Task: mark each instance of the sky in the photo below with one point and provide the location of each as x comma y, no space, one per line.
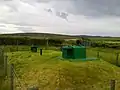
74,17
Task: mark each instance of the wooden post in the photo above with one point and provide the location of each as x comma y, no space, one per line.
47,43
40,51
5,65
117,57
112,85
1,83
17,45
11,77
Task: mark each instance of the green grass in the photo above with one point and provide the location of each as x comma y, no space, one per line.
14,48
106,54
48,72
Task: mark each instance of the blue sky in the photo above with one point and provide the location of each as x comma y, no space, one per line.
90,17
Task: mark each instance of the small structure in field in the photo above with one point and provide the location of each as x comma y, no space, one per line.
74,52
34,48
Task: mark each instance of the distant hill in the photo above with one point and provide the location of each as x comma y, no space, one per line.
50,35
41,35
90,36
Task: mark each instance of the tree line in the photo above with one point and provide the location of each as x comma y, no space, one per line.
106,45
51,42
29,41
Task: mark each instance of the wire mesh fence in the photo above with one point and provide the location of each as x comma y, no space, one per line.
3,69
109,56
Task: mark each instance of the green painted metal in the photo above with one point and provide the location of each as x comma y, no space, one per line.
74,52
34,49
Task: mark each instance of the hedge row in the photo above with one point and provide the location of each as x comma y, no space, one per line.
52,42
28,41
106,45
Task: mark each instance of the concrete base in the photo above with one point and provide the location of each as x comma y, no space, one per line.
83,59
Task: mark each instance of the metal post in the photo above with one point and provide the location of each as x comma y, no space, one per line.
11,77
112,85
98,54
117,56
40,51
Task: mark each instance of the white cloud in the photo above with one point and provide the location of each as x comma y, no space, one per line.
9,28
19,16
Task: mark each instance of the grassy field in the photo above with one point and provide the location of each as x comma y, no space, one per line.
49,72
107,54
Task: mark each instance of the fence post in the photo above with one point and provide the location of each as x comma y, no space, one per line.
40,51
98,54
17,45
5,65
11,77
117,57
112,85
47,43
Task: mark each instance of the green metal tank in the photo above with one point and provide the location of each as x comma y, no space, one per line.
74,52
